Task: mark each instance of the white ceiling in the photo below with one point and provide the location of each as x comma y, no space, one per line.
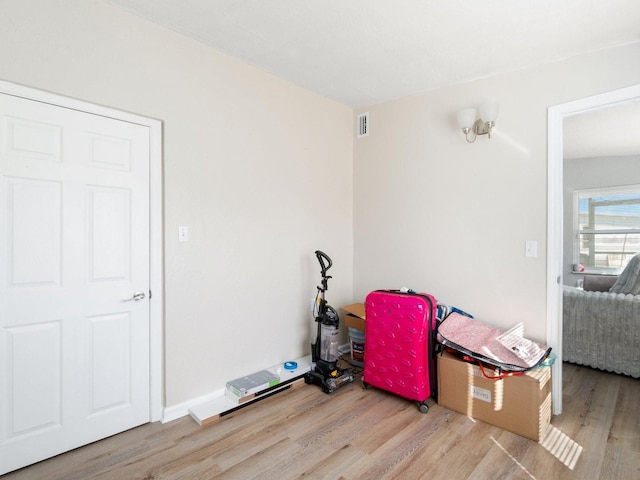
363,52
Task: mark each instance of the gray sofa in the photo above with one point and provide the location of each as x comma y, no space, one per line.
601,329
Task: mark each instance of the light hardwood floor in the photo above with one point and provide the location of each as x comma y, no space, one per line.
370,434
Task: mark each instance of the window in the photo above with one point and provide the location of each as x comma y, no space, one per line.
607,227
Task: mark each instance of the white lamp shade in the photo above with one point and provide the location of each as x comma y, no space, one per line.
489,111
466,117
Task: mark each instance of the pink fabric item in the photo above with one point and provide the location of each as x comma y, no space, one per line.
490,342
397,331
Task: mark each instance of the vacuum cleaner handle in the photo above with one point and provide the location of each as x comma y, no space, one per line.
321,258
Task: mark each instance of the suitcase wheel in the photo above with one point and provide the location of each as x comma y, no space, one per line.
365,385
424,408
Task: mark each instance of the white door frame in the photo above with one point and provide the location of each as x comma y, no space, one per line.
556,115
156,280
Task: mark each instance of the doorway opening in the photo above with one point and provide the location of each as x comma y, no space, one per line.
556,115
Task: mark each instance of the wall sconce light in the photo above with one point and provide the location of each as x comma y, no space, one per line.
487,113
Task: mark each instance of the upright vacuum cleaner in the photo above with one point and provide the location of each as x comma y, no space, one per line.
324,347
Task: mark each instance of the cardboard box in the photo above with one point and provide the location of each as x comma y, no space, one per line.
355,316
520,404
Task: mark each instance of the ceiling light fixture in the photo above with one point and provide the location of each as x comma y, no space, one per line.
487,113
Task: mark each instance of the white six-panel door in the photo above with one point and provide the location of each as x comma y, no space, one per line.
74,250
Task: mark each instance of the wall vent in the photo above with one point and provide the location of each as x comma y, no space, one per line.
363,125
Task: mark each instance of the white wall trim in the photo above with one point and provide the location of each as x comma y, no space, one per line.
156,280
554,252
556,115
182,409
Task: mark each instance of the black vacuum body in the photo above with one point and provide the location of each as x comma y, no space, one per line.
324,347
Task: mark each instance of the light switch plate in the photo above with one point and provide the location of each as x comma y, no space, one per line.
531,248
183,234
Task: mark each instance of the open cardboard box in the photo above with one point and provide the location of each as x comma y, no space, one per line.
355,316
520,404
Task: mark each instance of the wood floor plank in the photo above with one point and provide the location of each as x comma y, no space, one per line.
506,458
595,408
625,428
394,454
326,462
366,434
441,459
622,455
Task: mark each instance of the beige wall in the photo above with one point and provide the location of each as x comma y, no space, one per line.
434,213
260,170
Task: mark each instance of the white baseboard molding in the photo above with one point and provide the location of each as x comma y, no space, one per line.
182,409
214,403
215,407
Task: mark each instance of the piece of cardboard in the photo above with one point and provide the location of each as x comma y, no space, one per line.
355,317
520,404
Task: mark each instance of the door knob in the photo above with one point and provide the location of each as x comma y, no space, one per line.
136,297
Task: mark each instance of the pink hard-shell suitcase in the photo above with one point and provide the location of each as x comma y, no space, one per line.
399,347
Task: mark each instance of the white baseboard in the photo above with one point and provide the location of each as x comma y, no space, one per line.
216,402
212,409
182,409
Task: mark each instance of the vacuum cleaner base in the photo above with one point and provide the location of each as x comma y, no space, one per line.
331,382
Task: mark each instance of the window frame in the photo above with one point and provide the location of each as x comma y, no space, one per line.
582,193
